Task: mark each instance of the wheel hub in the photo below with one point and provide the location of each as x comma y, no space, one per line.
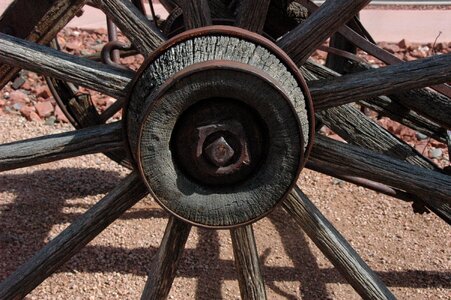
219,141
219,125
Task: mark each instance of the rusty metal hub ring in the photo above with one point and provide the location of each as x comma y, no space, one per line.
221,169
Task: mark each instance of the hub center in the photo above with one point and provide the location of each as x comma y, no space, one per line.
218,123
219,141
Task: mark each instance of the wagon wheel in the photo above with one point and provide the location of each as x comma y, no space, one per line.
219,123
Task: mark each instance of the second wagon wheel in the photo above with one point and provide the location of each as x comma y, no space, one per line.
218,124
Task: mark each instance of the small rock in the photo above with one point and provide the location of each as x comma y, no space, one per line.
87,52
44,109
409,57
18,97
27,85
99,101
73,45
18,82
435,153
60,116
404,44
43,92
26,111
17,106
418,53
339,182
6,95
50,121
424,49
34,117
420,136
440,47
392,48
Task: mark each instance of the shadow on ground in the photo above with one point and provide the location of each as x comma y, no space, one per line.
41,196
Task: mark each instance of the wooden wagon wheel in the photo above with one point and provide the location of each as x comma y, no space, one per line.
219,123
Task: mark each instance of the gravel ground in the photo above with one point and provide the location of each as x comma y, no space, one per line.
412,253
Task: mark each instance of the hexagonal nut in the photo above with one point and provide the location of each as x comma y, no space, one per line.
219,152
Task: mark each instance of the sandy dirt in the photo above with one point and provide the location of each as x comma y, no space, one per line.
410,252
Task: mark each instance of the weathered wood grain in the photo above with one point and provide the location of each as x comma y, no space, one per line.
358,129
428,103
196,13
60,146
252,14
171,178
425,102
40,59
385,105
44,19
369,184
250,279
335,247
418,204
82,112
391,79
143,34
303,40
73,239
165,262
432,187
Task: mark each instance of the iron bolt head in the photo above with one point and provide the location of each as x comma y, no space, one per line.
219,152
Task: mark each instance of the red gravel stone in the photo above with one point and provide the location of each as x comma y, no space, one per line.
43,92
34,117
27,85
26,111
404,44
18,97
44,109
60,116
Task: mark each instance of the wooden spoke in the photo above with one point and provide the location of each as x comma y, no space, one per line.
392,106
196,13
73,239
358,129
165,262
385,106
44,19
252,14
143,34
59,146
40,59
308,36
335,247
381,54
391,79
246,263
428,103
432,187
